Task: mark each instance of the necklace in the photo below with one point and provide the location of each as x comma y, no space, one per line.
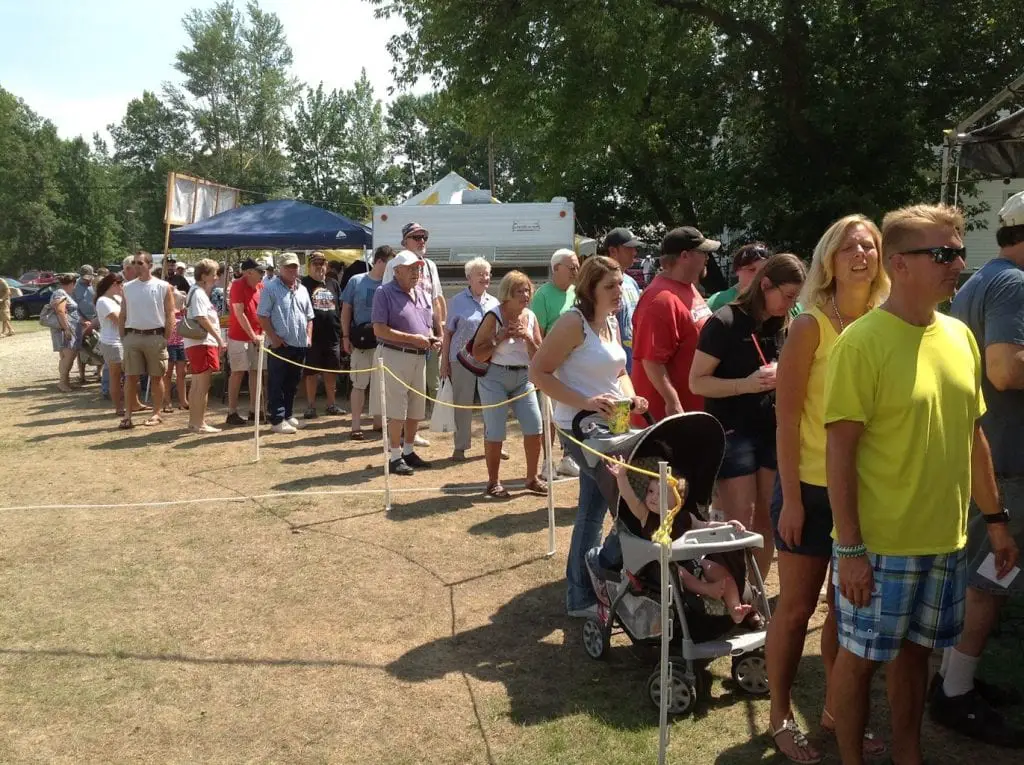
842,324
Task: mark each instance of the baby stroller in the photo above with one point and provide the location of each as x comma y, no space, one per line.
693,445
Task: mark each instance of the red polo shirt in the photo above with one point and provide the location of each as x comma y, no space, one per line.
666,327
249,297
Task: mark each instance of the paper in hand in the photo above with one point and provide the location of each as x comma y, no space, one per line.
987,569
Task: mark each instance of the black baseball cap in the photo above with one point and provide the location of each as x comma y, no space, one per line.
620,237
685,239
250,264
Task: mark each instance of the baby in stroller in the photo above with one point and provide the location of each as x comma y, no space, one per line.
707,577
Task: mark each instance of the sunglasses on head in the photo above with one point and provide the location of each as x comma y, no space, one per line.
754,255
941,255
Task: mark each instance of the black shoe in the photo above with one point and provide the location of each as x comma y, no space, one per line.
413,460
970,715
234,419
251,417
400,467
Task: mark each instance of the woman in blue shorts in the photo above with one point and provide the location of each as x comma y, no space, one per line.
844,282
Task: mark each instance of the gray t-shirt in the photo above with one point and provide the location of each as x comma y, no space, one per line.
991,303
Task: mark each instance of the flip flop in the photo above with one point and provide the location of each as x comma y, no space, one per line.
537,486
156,419
497,491
799,741
873,745
125,424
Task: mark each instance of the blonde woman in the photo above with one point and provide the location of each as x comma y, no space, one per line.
508,336
203,355
845,281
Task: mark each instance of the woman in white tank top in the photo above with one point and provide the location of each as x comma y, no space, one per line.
509,336
581,365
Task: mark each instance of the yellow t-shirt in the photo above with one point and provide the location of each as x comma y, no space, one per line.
918,392
812,418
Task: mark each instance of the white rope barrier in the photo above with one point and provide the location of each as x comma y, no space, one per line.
385,436
255,406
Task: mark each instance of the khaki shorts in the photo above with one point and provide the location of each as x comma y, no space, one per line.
401,402
243,355
361,359
145,354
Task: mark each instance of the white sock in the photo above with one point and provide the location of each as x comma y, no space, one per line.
407,449
959,677
396,452
945,661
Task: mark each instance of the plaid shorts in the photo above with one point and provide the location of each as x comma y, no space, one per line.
918,598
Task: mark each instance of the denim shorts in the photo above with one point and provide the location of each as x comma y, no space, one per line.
500,384
919,598
816,539
746,453
175,353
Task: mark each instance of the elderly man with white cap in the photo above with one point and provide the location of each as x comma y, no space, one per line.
407,327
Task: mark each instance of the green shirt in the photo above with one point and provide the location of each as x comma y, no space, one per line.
723,298
549,303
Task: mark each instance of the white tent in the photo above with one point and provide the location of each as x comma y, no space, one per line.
447,191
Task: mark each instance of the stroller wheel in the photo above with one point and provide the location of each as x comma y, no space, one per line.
684,694
750,673
595,642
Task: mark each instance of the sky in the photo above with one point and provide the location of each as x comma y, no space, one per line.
79,62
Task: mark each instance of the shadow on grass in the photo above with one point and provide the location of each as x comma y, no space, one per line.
510,524
354,476
338,456
243,661
146,437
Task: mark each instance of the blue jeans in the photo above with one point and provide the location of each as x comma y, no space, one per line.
586,534
105,381
282,382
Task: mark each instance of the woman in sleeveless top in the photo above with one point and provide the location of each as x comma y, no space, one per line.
67,340
845,281
581,365
509,336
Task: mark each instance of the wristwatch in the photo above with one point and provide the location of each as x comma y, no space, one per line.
1003,516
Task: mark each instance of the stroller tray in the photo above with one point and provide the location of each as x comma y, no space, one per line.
638,552
731,646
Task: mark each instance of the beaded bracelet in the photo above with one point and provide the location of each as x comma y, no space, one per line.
850,551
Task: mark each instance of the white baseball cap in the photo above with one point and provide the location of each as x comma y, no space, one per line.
1012,213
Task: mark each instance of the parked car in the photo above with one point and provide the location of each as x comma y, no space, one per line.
29,306
38,278
17,288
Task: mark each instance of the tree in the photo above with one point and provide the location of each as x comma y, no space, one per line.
317,146
367,156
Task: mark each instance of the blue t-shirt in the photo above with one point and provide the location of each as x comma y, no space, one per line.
991,303
630,297
358,293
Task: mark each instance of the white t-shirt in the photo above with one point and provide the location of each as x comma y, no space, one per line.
109,334
145,300
198,303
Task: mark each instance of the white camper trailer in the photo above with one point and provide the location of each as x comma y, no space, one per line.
509,235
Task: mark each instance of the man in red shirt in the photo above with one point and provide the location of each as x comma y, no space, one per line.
244,337
666,325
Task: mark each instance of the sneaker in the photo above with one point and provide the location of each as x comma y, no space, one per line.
505,455
334,411
309,414
412,459
599,585
971,716
234,419
590,612
400,467
420,441
283,427
543,474
569,467
295,423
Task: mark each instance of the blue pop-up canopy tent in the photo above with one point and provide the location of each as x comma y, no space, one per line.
281,224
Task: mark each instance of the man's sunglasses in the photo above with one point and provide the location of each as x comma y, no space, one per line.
419,237
941,255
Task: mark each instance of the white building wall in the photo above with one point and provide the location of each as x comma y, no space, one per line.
981,243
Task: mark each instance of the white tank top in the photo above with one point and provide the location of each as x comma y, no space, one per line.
513,352
145,301
591,369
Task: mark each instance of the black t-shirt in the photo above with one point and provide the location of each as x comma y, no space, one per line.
356,267
729,336
179,282
325,297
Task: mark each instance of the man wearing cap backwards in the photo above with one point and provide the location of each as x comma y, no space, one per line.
172,277
325,351
991,303
244,337
620,245
905,454
667,323
286,315
406,327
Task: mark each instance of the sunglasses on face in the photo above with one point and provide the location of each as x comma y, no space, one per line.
138,262
941,255
418,237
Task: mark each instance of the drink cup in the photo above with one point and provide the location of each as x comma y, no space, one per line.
619,421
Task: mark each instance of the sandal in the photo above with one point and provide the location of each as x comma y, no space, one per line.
537,486
497,491
125,424
156,419
873,745
799,741
357,435
168,409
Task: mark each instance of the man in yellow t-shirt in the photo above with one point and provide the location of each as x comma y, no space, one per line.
904,456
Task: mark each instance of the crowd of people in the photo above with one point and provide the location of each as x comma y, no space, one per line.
873,441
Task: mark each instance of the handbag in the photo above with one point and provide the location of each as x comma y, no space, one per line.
363,338
190,328
48,317
471,363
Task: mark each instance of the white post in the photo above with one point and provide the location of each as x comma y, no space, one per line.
549,464
384,429
255,405
666,599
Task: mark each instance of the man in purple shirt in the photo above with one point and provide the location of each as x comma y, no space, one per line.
406,328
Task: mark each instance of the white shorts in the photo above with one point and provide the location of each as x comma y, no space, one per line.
243,355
